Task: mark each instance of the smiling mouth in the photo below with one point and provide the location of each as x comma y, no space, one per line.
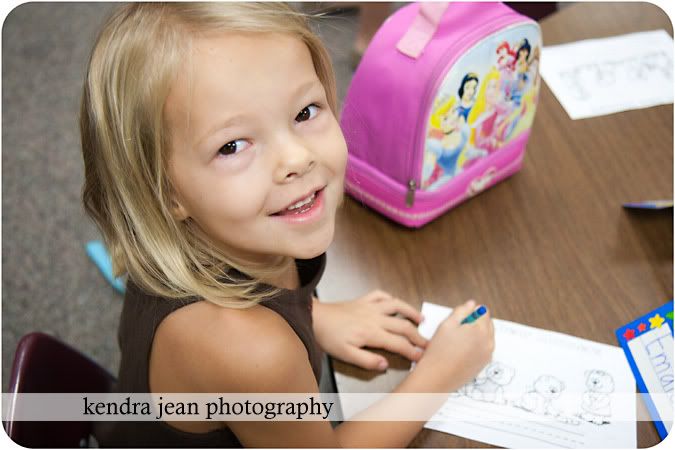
301,206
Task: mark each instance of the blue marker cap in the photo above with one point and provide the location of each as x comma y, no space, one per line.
475,315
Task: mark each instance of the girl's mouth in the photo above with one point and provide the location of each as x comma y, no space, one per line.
304,209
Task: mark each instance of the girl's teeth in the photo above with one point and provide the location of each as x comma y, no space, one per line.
302,202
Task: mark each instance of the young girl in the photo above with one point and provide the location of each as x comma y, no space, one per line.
214,167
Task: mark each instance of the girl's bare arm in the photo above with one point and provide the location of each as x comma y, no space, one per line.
258,352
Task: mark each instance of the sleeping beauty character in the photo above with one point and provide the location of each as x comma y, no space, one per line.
488,116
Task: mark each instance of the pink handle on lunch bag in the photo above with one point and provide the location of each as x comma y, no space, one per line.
422,29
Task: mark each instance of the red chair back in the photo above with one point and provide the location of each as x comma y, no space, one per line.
43,364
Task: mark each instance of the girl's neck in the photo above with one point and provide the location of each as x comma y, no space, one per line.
289,279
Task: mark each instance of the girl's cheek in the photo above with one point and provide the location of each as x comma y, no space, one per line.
240,202
334,141
343,154
236,185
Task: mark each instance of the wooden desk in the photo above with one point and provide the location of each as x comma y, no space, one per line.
551,247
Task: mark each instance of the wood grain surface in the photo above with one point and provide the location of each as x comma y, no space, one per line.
550,247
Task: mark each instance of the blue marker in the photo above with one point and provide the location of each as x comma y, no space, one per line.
475,315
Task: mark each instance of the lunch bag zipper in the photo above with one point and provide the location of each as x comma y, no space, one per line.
354,187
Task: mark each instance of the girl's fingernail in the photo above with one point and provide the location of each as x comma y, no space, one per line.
382,365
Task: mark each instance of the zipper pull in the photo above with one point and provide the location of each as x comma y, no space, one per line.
410,196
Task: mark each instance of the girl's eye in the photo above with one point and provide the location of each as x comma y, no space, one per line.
231,148
306,113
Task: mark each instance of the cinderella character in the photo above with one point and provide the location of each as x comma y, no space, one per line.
448,147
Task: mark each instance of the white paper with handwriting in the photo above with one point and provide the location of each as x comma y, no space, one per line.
603,76
542,389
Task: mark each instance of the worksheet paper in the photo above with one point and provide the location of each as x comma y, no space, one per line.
603,76
542,389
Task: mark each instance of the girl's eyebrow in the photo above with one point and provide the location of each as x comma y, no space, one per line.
240,118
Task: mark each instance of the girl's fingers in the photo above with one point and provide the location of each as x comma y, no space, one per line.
398,306
460,312
377,296
397,344
488,320
405,328
365,359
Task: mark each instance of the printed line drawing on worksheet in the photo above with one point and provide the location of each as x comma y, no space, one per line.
583,80
541,389
540,398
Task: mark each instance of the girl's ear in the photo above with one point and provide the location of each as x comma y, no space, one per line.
178,211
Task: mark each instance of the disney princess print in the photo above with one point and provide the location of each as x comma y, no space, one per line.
486,99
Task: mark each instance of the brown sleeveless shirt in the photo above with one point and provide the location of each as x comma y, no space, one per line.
141,315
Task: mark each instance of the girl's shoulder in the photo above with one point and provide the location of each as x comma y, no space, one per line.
203,347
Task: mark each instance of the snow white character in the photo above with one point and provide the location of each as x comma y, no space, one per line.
467,94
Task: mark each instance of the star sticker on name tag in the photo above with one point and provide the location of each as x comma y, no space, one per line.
642,327
629,334
656,321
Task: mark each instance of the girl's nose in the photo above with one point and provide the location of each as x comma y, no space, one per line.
295,160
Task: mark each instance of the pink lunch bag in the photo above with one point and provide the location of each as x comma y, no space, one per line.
440,107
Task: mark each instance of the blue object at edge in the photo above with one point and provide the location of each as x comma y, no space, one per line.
642,387
99,255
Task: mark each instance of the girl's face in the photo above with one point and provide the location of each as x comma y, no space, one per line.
257,157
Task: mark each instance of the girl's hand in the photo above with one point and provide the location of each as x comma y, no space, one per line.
456,353
343,328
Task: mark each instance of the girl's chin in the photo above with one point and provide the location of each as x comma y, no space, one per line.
313,246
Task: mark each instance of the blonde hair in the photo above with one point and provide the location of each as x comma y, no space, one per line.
481,99
125,148
437,116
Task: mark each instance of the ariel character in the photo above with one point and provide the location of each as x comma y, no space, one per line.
506,57
506,64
